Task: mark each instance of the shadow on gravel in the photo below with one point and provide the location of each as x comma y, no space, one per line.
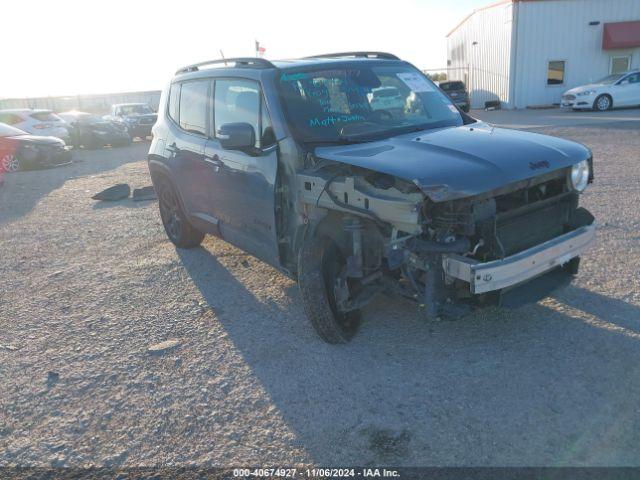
127,203
617,313
23,190
533,386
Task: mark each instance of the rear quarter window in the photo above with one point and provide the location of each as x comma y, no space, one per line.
174,103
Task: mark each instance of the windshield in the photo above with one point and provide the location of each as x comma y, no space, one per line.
135,109
8,131
362,102
610,79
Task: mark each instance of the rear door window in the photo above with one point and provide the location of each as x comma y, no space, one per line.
193,106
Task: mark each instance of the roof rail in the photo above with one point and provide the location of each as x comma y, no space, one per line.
384,55
252,62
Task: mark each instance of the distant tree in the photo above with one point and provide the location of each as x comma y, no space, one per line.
437,76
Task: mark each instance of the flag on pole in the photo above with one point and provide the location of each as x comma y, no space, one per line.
259,49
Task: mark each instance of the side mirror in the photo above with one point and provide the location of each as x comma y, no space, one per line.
236,136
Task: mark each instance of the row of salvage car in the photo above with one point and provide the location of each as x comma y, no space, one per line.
35,138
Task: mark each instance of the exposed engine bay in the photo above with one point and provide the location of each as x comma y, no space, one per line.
395,238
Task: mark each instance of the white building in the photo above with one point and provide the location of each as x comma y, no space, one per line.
527,52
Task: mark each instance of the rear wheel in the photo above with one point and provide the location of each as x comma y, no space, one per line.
10,163
602,103
175,222
320,268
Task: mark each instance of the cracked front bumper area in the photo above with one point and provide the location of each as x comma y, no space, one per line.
521,267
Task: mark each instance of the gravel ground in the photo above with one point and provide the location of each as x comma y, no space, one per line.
88,288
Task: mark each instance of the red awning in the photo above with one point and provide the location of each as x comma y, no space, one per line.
621,35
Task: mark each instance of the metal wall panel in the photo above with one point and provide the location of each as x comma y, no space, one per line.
479,51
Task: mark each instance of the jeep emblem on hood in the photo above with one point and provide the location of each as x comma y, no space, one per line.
537,165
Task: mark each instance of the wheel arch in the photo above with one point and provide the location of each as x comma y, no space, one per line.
162,173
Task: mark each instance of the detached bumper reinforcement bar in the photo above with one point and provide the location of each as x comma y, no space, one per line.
523,266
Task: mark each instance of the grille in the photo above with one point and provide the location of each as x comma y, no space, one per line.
512,235
568,97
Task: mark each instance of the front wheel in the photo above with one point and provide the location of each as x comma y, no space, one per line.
10,163
602,103
320,268
175,222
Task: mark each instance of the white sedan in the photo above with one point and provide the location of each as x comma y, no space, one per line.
618,90
38,122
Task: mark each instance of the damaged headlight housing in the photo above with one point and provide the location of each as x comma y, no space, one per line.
578,177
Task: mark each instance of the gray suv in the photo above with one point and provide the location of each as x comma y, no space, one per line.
289,161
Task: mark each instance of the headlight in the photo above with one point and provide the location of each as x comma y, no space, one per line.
585,93
578,177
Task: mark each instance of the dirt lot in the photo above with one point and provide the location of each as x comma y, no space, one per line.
88,287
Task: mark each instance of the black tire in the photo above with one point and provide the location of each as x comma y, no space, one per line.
174,220
319,264
603,103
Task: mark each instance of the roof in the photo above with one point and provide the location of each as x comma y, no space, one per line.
306,62
621,35
261,63
491,5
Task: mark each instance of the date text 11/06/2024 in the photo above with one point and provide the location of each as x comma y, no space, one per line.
316,472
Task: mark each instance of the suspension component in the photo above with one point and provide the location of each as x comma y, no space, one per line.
353,225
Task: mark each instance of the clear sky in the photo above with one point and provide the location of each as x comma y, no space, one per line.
68,47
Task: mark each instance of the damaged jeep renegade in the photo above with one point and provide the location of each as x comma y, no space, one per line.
305,165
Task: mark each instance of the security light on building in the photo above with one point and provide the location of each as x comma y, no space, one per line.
528,52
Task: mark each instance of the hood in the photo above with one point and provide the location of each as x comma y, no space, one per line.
457,162
583,88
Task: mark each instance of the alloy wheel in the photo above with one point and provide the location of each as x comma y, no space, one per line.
10,163
603,103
